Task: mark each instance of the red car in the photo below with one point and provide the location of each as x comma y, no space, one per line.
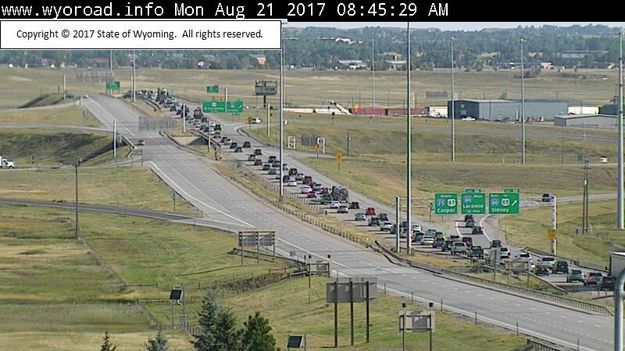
311,195
370,211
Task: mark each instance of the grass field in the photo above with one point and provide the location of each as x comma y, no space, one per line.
33,147
118,186
64,116
317,87
530,227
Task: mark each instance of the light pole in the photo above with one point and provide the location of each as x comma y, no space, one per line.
522,105
453,100
281,139
76,163
408,147
373,71
620,204
134,76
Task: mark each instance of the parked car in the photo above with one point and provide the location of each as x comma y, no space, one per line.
342,209
374,221
459,247
593,278
359,217
246,144
505,253
548,262
438,243
576,275
468,240
386,226
370,211
427,240
561,267
541,271
477,230
607,283
469,223
547,197
258,152
354,205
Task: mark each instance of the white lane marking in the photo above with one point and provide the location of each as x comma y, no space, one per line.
484,229
194,198
113,117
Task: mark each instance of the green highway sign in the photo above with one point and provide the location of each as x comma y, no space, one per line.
511,190
473,201
113,85
445,203
212,88
234,106
504,203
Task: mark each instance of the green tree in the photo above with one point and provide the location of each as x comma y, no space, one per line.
257,334
206,340
228,337
107,345
159,343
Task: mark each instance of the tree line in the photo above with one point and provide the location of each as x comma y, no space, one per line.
316,47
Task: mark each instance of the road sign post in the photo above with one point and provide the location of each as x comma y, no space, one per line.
473,201
339,158
445,204
212,89
504,203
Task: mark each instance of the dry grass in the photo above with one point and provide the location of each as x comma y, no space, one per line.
64,116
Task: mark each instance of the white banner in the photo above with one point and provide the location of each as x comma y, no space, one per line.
149,34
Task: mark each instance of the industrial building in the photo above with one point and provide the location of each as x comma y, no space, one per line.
508,110
586,121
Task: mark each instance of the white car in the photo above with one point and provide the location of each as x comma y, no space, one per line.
505,253
335,204
427,240
548,262
305,189
386,226
256,121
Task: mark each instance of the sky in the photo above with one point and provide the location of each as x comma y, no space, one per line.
467,26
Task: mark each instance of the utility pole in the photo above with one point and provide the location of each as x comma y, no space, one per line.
64,86
268,119
134,76
522,105
184,118
554,224
397,223
373,70
453,100
115,139
621,188
76,230
408,148
585,224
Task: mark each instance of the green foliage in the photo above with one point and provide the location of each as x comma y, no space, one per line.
228,336
207,338
257,335
159,343
107,345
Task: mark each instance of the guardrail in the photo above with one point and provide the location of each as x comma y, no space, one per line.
535,294
153,104
587,265
511,289
542,345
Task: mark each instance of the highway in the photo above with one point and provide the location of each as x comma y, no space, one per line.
193,177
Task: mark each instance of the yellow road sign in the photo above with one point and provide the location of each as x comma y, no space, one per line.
317,146
551,234
339,156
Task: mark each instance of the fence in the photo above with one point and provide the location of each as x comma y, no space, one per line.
542,345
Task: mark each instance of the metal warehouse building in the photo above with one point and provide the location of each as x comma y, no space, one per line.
508,110
586,121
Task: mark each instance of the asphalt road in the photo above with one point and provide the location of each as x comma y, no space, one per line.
193,178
